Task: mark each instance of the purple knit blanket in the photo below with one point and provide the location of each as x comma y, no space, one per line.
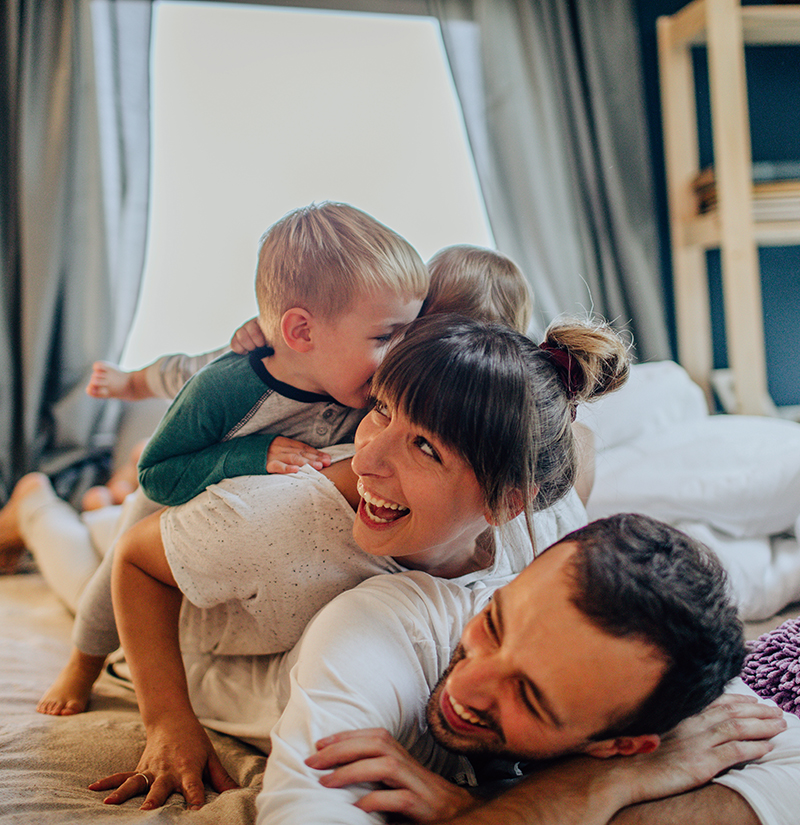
772,666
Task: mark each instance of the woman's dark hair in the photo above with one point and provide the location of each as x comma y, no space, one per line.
500,401
638,577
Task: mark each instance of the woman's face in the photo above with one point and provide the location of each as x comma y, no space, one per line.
420,501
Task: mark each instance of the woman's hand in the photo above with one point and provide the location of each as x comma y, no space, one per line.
372,755
177,757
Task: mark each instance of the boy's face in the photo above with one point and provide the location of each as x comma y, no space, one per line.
348,350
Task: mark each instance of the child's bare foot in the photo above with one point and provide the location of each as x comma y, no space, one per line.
109,381
12,544
95,498
121,484
70,692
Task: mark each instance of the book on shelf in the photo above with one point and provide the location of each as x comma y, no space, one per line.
776,191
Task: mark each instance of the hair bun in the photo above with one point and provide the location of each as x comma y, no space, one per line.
591,357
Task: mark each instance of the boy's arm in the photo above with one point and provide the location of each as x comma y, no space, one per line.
194,445
147,605
187,452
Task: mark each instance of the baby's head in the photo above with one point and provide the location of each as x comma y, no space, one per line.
478,283
335,282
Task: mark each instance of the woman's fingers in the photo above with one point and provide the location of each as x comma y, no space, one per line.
219,779
127,785
113,781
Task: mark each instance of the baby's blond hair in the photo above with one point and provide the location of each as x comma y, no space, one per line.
478,283
324,256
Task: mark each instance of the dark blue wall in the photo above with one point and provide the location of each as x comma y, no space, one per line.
773,80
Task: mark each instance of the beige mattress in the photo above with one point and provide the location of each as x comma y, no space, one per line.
47,762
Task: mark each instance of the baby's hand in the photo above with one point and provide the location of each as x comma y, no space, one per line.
248,337
288,456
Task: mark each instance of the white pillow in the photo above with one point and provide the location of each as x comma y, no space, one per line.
738,474
656,396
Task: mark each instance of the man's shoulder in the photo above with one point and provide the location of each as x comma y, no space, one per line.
425,607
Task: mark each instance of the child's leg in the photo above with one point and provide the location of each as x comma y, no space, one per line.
109,381
59,540
121,484
12,544
95,631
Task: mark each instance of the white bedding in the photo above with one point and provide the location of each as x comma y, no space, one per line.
731,481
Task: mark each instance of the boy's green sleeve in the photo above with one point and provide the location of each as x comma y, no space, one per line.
188,452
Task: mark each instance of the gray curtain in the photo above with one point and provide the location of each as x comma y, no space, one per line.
75,178
553,103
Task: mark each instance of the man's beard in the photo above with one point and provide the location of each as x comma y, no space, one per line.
455,742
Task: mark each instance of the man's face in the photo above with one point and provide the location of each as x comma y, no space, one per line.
533,677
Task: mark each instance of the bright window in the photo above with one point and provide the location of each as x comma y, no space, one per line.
259,110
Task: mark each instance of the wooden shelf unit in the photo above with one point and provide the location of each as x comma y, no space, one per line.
724,27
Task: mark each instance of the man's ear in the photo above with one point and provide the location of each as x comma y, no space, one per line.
296,328
623,746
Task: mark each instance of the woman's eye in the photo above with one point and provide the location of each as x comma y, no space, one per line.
380,408
383,339
426,448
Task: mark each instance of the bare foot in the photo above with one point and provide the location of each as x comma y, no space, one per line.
11,542
95,498
70,692
109,381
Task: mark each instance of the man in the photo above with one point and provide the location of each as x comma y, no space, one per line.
602,645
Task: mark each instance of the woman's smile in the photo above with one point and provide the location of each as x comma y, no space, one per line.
379,510
420,501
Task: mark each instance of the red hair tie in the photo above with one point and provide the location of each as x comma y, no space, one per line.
568,369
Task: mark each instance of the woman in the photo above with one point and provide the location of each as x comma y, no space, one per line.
471,428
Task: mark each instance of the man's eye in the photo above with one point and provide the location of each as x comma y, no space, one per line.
490,625
383,339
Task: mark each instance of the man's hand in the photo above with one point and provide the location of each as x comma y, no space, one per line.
730,731
248,337
372,755
287,456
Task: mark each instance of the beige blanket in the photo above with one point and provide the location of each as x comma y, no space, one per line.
47,762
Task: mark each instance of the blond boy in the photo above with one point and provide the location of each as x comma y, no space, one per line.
333,286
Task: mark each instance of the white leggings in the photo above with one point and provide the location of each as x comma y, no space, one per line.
67,545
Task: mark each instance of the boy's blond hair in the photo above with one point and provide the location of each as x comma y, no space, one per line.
325,256
480,283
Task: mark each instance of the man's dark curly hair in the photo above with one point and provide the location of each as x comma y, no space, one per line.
638,577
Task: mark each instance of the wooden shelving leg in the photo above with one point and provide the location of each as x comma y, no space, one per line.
692,311
744,325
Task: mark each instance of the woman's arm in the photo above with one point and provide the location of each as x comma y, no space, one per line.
584,446
147,606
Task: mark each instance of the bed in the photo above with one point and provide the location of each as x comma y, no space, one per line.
47,762
735,481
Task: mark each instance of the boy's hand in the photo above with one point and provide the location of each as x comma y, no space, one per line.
248,337
288,456
409,789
